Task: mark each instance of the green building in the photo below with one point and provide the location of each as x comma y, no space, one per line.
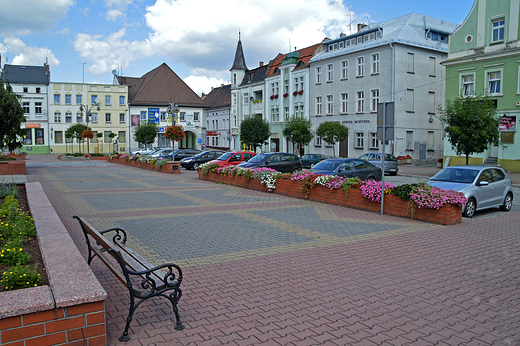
484,59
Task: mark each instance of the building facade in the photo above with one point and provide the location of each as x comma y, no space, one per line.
218,121
484,59
394,61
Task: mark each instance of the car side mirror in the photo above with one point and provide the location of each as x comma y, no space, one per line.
483,183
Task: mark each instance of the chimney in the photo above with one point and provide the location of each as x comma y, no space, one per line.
261,63
221,85
342,35
361,26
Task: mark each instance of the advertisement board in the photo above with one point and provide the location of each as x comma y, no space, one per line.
507,123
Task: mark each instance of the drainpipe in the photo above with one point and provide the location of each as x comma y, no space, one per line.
393,92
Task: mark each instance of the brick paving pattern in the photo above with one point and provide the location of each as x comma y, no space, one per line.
266,269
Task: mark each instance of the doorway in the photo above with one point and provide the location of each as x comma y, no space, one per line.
343,148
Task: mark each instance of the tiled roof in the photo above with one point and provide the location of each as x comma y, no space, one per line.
255,76
303,60
240,61
219,97
160,87
25,74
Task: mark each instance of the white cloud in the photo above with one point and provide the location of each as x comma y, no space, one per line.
203,84
31,16
26,55
202,34
116,9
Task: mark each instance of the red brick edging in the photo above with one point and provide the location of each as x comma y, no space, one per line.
447,215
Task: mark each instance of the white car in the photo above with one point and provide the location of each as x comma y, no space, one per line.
144,151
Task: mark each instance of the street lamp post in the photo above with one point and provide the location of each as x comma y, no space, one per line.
430,120
173,109
88,112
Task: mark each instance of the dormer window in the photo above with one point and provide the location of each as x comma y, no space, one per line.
434,36
498,30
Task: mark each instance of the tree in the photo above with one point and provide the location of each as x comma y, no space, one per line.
254,131
76,131
145,133
99,140
471,124
11,117
111,135
332,133
299,131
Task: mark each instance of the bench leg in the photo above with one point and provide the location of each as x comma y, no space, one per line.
174,298
125,336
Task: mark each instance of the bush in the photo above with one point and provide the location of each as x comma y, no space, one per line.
12,253
20,277
8,189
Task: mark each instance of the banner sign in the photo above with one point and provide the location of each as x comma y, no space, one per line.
135,119
153,116
507,123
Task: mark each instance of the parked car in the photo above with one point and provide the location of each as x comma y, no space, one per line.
309,160
282,162
161,154
195,161
232,158
348,168
391,164
484,187
145,151
183,153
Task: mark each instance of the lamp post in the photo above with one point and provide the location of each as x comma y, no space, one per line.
430,120
173,109
88,112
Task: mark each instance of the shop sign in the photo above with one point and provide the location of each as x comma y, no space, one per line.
507,123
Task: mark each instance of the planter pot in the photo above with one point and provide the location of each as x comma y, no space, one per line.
408,160
402,162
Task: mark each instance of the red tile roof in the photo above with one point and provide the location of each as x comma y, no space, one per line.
305,55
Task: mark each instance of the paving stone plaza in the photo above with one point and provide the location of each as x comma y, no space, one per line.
261,268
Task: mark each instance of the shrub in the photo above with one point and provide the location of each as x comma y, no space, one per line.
20,277
12,253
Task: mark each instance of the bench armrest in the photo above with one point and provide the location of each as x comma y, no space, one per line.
170,279
117,238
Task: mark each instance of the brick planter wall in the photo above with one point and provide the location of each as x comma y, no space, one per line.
12,167
173,167
70,310
447,215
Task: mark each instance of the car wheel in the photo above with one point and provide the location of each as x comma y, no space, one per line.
508,202
195,166
470,208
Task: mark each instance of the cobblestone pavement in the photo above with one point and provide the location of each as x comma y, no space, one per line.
266,269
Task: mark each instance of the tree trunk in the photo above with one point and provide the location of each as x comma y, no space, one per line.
467,159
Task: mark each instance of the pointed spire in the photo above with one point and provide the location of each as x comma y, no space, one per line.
240,62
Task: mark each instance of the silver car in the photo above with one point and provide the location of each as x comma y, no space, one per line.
484,187
391,164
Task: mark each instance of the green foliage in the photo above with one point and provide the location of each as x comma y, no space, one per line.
332,133
20,277
349,183
403,191
254,131
209,167
16,224
298,130
145,133
75,131
159,163
12,253
8,189
471,124
11,117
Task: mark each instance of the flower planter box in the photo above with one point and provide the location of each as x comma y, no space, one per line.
447,215
12,167
173,167
16,156
402,162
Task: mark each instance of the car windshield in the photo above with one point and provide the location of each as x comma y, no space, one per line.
457,175
390,157
258,158
225,156
327,165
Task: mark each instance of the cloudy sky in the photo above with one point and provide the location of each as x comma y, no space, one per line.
88,39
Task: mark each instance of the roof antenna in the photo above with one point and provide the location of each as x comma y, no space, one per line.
239,34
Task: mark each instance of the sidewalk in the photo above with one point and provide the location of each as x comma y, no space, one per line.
266,269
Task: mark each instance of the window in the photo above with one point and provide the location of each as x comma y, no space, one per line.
163,116
121,100
234,99
373,140
121,137
374,100
121,117
498,26
330,104
108,100
57,117
79,99
301,110
39,136
246,98
38,90
375,63
296,109
344,69
94,117
359,140
432,66
317,142
296,84
409,140
431,102
38,108
344,103
430,145
58,137
330,72
301,83
108,117
318,75
319,104
25,89
68,99
410,100
79,117
494,79
143,115
286,87
26,107
106,137
468,86
410,63
234,78
93,99
196,116
182,116
57,99
360,102
360,66
68,117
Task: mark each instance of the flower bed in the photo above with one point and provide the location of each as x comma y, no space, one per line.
164,166
418,201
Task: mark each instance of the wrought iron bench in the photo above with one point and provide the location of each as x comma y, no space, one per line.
141,278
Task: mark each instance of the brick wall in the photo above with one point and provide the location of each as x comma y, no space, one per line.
12,167
393,205
75,325
173,167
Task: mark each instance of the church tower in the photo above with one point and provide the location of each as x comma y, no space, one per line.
238,70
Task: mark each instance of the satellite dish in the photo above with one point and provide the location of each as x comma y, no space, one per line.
114,72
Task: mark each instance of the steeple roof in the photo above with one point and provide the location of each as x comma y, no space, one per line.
240,61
